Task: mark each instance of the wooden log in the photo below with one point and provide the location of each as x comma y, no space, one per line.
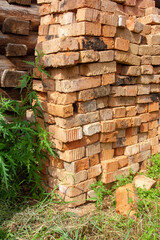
19,63
21,2
16,26
5,63
24,13
11,78
13,93
14,50
30,41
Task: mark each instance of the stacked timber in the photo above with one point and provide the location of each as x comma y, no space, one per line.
19,21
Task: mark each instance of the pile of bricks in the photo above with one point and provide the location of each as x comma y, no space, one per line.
19,21
101,103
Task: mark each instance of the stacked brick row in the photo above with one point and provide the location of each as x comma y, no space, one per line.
19,21
101,103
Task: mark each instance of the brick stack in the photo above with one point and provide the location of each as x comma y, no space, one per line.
101,104
18,35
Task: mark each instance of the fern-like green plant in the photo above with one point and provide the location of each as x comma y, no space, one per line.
23,144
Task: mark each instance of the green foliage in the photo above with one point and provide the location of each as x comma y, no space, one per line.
154,167
100,192
23,144
122,180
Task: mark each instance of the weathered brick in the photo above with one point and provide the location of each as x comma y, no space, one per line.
110,20
134,26
108,79
131,70
102,102
87,14
72,191
110,165
71,179
119,151
144,146
156,149
106,114
119,112
94,171
122,161
67,18
111,177
108,137
74,85
38,86
74,201
131,111
72,155
93,149
94,69
108,6
142,108
122,44
58,44
58,110
48,118
106,56
153,124
60,59
66,135
153,107
133,48
92,129
86,140
132,131
108,31
108,126
74,4
130,2
143,89
85,107
155,60
144,99
106,154
144,127
128,35
61,98
71,72
144,117
77,166
131,150
131,140
127,58
89,56
77,120
123,122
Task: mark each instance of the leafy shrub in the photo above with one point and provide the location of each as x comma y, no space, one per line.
100,192
23,144
154,167
123,180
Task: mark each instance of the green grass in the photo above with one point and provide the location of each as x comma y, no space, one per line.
46,220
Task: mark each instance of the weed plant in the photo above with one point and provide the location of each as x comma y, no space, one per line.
23,144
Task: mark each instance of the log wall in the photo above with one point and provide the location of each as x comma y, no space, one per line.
19,21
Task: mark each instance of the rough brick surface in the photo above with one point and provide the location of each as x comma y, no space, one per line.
101,102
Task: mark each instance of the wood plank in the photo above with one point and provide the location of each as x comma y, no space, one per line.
20,2
11,78
30,41
19,63
15,50
16,26
25,13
